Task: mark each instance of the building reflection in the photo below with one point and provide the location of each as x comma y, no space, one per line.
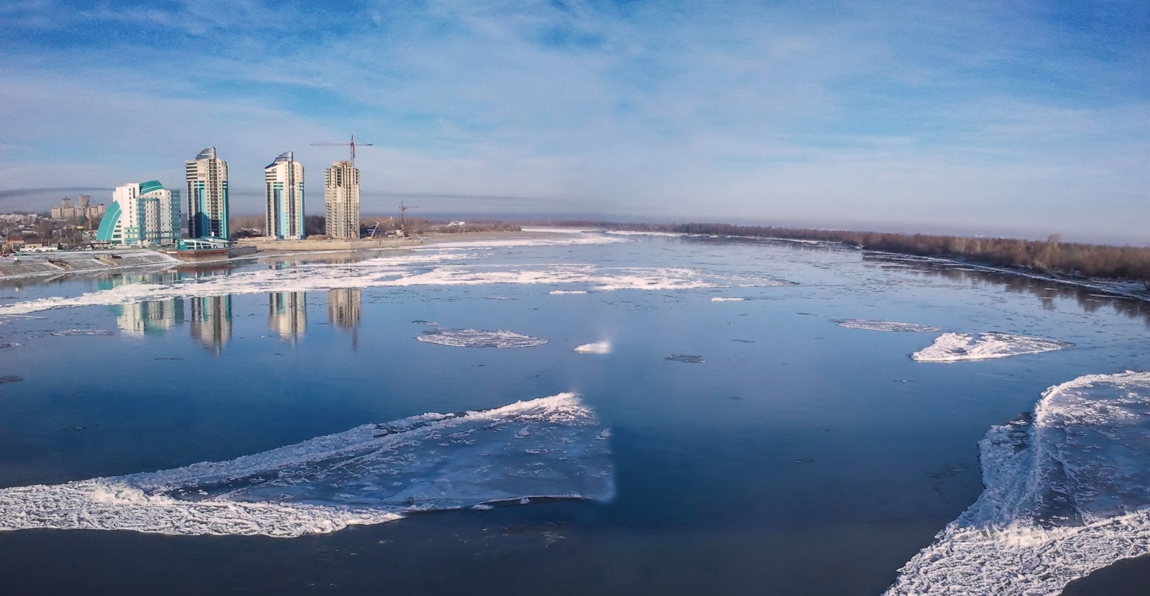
343,311
287,314
212,321
149,317
343,308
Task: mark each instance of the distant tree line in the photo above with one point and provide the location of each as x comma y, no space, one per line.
1051,256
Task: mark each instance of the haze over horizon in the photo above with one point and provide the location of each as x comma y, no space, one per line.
1024,118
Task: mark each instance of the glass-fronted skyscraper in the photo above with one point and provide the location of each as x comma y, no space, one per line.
144,214
283,194
341,200
207,177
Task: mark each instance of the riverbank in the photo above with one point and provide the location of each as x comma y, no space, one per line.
54,264
1052,258
266,244
63,263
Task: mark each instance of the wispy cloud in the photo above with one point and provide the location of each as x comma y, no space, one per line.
904,112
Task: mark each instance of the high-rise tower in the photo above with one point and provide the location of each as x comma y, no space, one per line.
283,193
207,177
341,199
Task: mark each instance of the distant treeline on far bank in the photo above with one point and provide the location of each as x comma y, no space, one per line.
1051,257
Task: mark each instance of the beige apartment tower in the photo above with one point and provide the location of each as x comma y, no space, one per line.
341,197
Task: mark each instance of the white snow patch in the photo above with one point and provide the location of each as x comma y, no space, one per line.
1065,495
370,474
478,338
885,326
599,347
640,233
560,238
954,347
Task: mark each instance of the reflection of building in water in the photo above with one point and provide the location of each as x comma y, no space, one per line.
212,321
343,307
287,314
149,317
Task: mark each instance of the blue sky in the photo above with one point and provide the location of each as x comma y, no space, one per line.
1007,117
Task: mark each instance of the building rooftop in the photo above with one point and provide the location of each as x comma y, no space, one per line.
147,187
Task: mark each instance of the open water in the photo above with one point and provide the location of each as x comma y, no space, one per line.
570,413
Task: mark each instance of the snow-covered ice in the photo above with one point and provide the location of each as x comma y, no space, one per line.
74,332
556,237
725,299
478,338
566,292
423,269
599,347
370,474
954,347
879,325
1066,493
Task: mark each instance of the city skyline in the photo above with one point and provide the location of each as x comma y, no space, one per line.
906,116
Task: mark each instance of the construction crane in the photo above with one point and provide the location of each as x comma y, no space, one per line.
376,227
351,144
403,215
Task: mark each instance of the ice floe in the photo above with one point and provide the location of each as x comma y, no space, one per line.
689,359
1067,492
478,338
370,474
599,347
566,292
72,332
724,299
955,347
10,344
879,325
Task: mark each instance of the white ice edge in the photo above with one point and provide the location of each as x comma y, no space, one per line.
725,299
1065,495
956,347
882,325
548,447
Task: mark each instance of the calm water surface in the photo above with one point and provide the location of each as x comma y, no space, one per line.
800,458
